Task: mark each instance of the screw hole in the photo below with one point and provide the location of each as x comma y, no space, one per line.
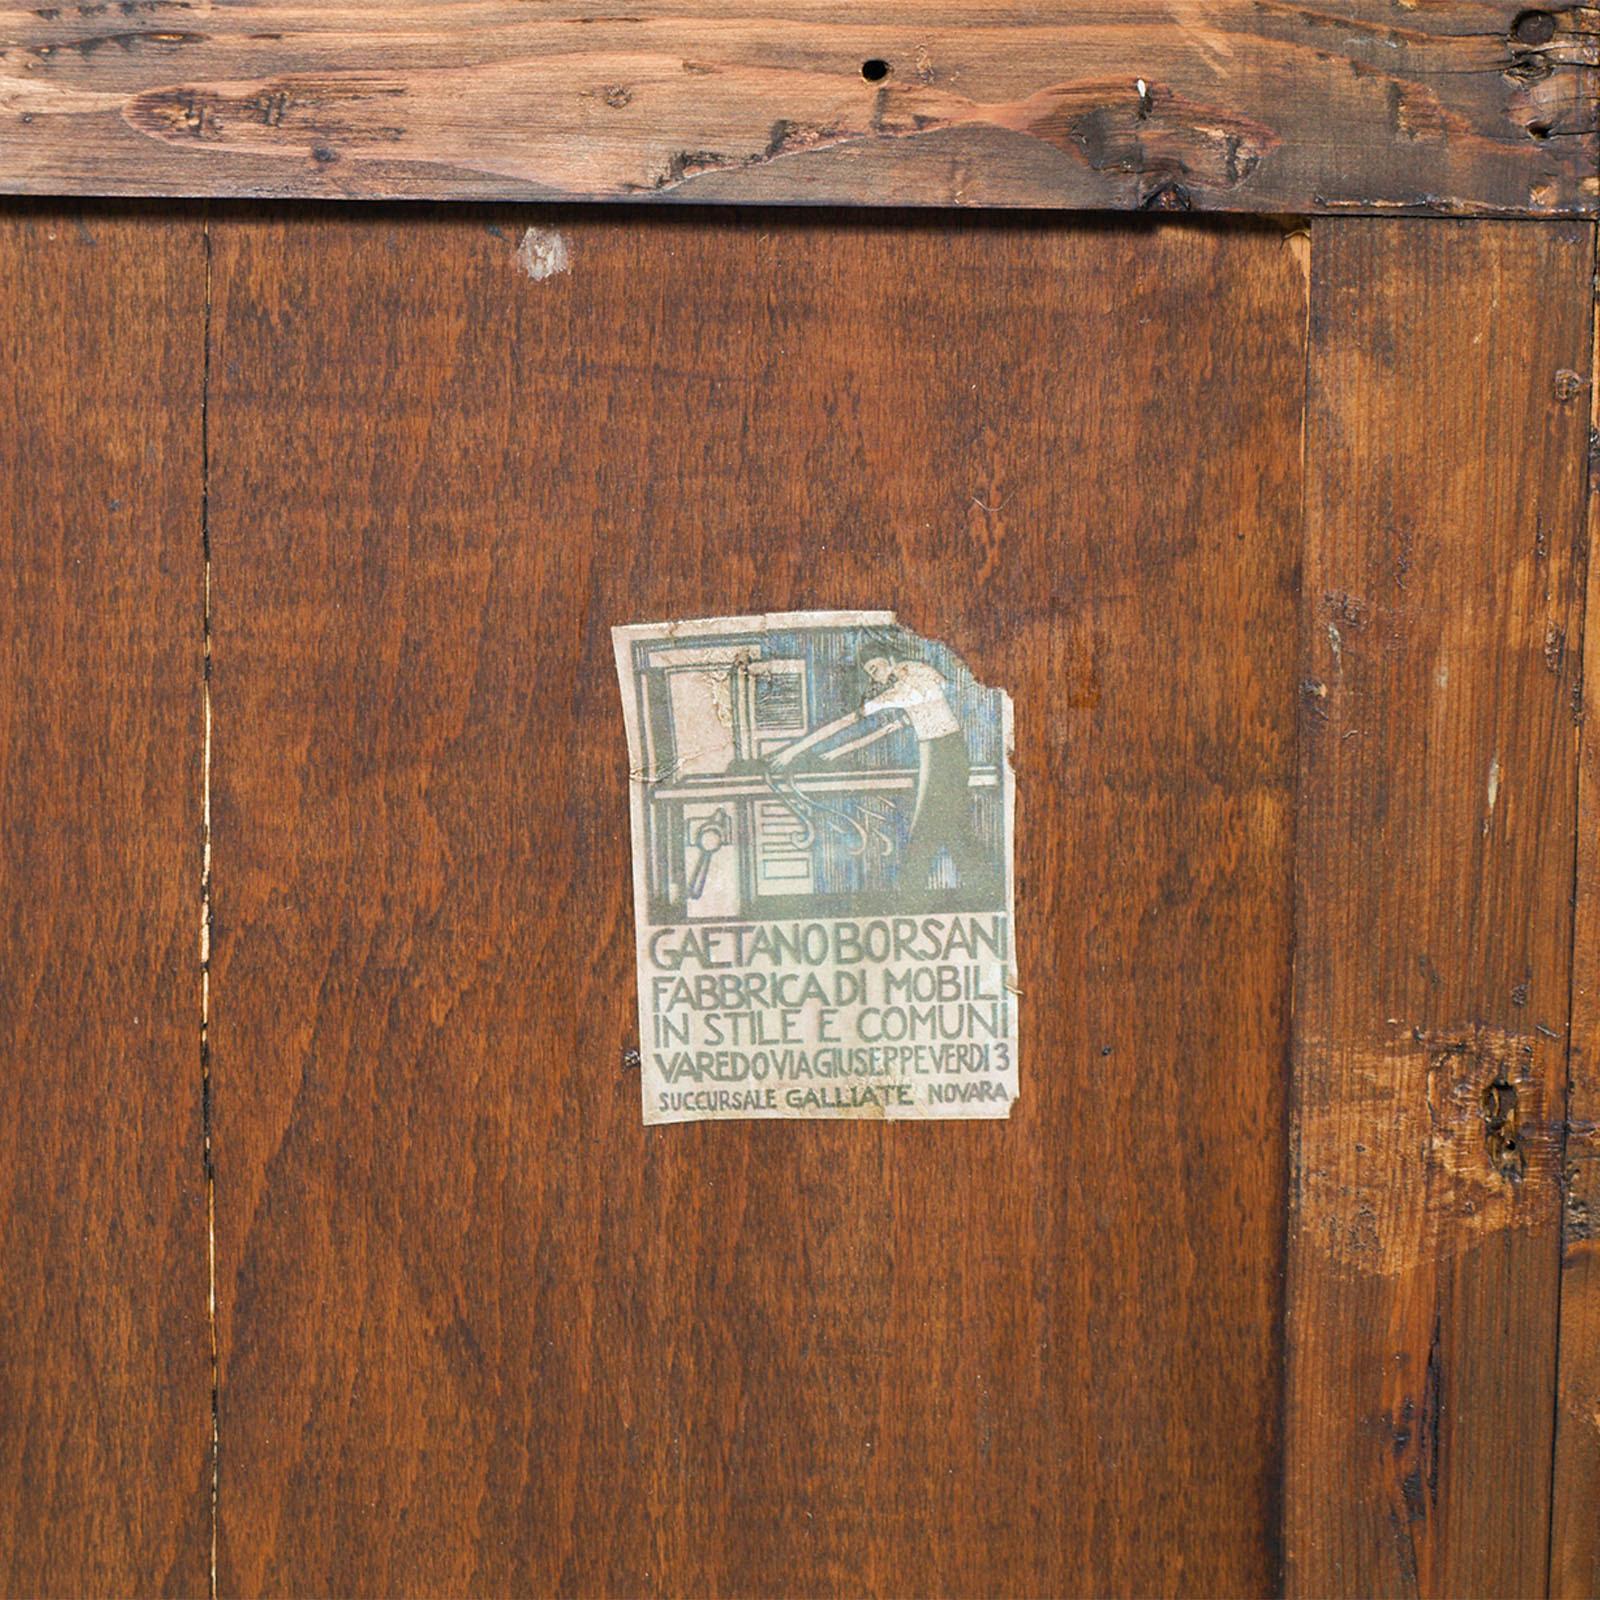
875,71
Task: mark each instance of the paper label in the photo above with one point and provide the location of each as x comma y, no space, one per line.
822,813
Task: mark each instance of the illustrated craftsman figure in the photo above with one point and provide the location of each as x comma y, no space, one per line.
942,812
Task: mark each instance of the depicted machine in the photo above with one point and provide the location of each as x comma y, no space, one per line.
731,836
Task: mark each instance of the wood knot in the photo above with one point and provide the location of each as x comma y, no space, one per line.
1569,385
1501,1130
1534,27
1169,197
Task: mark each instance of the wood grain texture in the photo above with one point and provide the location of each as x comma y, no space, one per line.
482,1332
1458,106
1447,424
1575,1508
105,1382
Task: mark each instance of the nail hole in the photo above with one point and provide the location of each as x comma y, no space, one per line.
875,71
1534,27
1538,130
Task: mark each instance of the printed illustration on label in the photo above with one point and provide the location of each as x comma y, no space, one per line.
822,810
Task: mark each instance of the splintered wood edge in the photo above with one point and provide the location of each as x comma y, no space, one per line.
1464,108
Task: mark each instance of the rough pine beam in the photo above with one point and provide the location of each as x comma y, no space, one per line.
1461,107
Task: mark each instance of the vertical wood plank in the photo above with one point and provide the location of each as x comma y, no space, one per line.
1575,1509
1444,489
482,1332
105,1385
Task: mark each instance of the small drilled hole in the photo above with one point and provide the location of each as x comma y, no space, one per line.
875,71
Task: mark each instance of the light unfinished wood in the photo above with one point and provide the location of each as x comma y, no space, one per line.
1454,107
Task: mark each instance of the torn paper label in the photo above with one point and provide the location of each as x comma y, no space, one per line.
822,808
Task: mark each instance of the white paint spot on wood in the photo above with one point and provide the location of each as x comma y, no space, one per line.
543,253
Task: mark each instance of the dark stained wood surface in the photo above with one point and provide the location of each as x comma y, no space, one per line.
1457,106
1446,443
105,1410
1575,1509
482,1332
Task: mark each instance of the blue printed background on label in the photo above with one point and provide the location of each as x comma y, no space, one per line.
819,771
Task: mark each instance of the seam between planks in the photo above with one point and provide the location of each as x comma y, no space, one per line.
1302,240
205,884
1564,1127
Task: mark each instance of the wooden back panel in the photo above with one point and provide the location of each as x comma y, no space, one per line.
1277,540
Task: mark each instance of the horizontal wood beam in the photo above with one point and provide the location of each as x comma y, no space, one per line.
1455,107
